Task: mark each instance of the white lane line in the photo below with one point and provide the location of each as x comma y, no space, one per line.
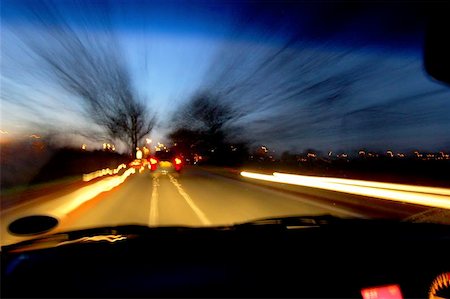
194,207
153,217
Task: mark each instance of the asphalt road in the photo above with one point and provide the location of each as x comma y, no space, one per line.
193,198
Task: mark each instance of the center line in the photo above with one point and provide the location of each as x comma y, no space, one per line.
197,211
153,218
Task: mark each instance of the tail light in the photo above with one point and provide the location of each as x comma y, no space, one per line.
177,161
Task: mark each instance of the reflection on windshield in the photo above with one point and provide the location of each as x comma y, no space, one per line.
142,113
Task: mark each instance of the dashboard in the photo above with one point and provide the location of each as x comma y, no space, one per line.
346,259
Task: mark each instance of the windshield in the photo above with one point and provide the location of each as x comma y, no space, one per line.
264,109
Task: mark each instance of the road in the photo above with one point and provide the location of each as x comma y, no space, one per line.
193,198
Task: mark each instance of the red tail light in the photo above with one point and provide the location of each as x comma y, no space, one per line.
153,161
177,161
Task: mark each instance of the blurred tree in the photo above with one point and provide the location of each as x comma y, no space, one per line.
92,68
206,125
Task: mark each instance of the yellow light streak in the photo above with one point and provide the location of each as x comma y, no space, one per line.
426,199
108,238
391,186
87,193
99,173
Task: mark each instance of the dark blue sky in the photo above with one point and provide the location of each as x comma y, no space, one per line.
326,75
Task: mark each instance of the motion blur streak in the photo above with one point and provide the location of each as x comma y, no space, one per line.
99,173
108,238
84,194
425,199
402,187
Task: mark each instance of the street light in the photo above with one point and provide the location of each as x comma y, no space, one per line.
139,154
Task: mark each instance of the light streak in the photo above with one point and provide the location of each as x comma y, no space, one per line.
82,195
99,173
388,193
391,186
108,238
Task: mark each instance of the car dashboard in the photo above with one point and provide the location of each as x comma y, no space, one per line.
261,259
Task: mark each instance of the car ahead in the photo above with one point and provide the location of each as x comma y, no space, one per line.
165,161
304,256
138,163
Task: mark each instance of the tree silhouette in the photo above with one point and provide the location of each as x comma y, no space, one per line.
92,68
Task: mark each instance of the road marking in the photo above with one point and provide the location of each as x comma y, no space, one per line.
197,211
153,217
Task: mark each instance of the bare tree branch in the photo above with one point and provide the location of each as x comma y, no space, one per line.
92,68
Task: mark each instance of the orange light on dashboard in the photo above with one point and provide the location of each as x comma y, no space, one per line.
440,284
177,161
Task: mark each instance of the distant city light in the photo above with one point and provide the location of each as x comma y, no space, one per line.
148,140
109,146
83,147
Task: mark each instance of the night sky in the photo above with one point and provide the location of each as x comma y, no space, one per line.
323,75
